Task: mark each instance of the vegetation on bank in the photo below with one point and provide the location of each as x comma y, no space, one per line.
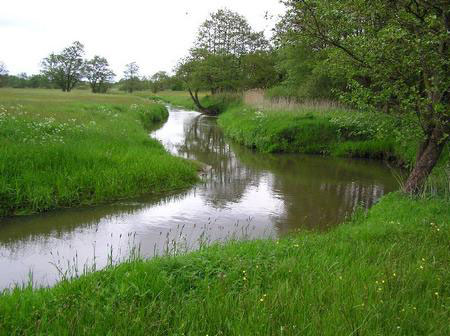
331,130
67,149
382,273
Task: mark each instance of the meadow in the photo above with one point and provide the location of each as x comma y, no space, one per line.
69,149
382,273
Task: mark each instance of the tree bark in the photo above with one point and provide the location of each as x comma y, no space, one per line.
197,103
429,154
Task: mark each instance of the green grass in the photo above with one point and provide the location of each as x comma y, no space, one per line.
67,149
176,98
384,273
331,131
219,102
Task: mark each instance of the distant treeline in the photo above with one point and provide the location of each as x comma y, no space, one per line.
22,81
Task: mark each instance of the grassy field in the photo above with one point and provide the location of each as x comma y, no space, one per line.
384,273
66,149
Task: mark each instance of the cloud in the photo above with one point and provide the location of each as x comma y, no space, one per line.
155,34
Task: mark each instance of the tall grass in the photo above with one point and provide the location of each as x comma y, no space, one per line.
66,149
259,99
385,273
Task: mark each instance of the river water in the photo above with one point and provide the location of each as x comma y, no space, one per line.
243,195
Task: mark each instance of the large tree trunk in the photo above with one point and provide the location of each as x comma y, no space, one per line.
197,103
428,156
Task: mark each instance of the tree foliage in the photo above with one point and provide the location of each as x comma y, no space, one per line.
160,81
3,74
227,56
394,56
66,68
98,74
228,33
131,77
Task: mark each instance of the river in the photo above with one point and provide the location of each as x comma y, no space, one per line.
243,195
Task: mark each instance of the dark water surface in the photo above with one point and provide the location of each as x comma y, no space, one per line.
244,195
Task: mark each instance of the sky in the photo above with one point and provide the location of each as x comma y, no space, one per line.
155,34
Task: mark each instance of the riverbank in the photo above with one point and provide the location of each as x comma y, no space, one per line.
68,149
332,130
383,273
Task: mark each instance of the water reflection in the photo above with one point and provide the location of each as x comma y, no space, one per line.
243,194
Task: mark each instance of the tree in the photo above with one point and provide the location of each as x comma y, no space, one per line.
131,77
393,54
3,74
65,69
227,32
215,62
160,81
39,81
98,74
259,70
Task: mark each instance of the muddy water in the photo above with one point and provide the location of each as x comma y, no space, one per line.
243,195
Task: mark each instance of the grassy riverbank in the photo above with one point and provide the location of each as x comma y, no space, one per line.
66,149
176,98
331,130
385,273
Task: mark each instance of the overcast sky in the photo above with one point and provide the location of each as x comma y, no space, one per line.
155,33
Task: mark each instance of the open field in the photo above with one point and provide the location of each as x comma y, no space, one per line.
67,149
384,273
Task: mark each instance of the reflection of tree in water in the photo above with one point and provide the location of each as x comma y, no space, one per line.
17,231
228,178
320,192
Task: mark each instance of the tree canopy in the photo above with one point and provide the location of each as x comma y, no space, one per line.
394,55
66,68
227,56
98,74
131,76
3,73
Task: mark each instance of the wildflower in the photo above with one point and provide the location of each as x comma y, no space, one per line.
436,293
421,267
